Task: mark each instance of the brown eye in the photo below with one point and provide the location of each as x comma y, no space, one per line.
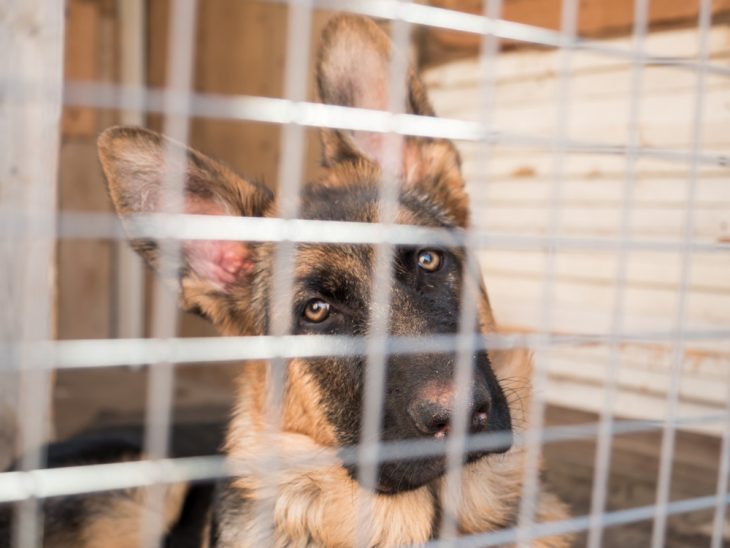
316,311
429,260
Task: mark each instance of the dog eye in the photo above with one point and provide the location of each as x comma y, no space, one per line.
429,260
316,311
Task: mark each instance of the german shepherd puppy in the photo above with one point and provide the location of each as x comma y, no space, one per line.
317,502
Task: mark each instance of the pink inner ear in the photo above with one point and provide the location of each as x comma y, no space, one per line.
371,144
222,262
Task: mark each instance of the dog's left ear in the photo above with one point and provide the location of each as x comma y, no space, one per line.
353,70
212,277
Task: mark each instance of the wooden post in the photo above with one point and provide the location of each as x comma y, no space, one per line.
31,68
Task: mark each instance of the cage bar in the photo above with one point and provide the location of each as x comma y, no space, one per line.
161,377
383,276
30,226
603,449
668,439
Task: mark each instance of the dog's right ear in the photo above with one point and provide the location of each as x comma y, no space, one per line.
212,275
353,70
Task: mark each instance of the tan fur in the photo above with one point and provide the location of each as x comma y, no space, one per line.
319,504
312,495
316,503
491,484
120,523
303,411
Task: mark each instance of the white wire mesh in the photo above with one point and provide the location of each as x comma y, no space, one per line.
294,113
668,439
160,384
536,420
603,450
375,373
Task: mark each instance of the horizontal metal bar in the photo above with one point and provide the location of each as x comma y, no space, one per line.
575,525
84,226
75,480
89,478
98,353
472,23
283,111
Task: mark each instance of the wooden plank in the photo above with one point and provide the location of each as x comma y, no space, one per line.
697,363
633,405
85,269
513,167
644,269
231,34
711,224
230,66
32,36
663,224
604,191
588,83
84,266
81,62
591,365
604,120
600,103
526,65
517,302
596,18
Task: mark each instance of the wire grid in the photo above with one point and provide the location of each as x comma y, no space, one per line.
294,113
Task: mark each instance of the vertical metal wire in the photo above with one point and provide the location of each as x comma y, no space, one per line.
723,476
536,420
129,271
161,377
459,422
376,365
605,426
668,438
291,172
469,299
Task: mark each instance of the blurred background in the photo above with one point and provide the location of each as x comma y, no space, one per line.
527,185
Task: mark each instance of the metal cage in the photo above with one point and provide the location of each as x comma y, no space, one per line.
35,92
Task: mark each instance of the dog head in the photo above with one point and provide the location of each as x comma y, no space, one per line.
229,282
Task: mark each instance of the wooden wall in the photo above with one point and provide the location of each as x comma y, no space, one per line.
596,19
85,266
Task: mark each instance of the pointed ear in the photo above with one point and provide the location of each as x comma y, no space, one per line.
353,69
212,273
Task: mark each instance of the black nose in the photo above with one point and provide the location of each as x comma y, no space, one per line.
431,413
